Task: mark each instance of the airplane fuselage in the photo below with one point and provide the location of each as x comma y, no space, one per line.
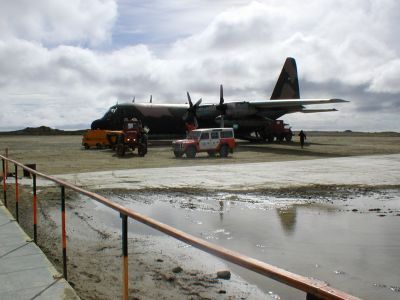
169,118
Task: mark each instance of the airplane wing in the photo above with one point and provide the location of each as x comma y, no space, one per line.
308,111
286,103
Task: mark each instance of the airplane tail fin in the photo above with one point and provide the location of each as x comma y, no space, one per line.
287,86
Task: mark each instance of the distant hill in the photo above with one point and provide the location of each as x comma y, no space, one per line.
351,133
43,130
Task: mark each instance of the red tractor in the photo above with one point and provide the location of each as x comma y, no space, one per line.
277,130
131,137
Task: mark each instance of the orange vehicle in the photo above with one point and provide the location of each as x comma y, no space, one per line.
95,138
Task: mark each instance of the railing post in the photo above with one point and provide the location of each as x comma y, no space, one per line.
125,255
64,235
34,209
16,193
6,155
4,182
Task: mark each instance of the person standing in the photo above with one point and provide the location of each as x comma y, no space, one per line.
303,137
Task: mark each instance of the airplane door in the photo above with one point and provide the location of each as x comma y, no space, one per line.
205,142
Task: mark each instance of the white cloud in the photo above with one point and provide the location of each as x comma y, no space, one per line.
57,21
340,43
387,78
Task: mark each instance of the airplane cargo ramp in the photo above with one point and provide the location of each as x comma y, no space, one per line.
25,272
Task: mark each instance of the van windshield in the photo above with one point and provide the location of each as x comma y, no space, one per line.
227,134
194,135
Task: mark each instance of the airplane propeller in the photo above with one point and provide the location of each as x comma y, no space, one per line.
190,115
222,107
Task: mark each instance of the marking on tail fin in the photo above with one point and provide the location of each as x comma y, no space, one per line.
287,86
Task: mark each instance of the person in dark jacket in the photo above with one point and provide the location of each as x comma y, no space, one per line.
303,137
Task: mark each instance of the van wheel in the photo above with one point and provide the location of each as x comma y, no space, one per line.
178,154
191,152
223,152
211,153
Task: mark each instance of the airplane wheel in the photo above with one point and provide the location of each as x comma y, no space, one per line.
191,152
288,138
223,152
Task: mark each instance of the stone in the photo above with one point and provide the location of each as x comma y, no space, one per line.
224,274
177,270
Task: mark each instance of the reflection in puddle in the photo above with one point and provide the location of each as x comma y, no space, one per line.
287,216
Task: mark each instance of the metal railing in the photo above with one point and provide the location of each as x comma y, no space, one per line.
314,289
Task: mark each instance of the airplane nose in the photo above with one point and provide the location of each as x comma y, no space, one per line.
97,124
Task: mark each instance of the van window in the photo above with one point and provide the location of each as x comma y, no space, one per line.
226,134
205,136
214,135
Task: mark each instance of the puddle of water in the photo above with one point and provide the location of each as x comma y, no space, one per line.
345,241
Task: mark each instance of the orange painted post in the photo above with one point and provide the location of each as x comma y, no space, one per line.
6,173
125,273
34,209
16,193
4,183
64,235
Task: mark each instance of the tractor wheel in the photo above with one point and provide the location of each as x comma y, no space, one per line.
142,150
178,154
99,146
223,152
191,152
288,137
86,146
120,150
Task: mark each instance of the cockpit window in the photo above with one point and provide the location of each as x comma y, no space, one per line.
110,112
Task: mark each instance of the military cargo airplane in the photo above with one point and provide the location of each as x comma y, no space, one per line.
248,118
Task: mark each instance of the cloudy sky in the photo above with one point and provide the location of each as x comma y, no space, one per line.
63,63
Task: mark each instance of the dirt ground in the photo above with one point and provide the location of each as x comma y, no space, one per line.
95,270
64,154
